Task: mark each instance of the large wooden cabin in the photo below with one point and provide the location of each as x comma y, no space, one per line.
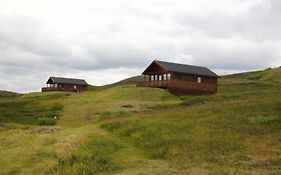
179,79
65,84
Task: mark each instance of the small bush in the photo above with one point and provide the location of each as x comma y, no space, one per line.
111,126
261,119
47,121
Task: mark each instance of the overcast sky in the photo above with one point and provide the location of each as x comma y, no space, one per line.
104,41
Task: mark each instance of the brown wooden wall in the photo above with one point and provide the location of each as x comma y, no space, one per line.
178,84
70,88
187,86
193,78
67,88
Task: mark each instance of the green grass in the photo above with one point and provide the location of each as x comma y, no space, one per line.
28,109
8,94
47,121
128,130
127,82
262,119
94,156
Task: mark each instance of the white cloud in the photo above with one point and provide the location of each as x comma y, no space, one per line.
105,41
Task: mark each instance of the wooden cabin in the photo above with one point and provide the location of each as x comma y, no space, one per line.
65,84
179,79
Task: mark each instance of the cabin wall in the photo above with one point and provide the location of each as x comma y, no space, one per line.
70,88
176,82
184,84
66,88
179,86
193,78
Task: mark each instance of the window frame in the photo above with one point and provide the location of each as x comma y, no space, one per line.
199,79
169,76
164,77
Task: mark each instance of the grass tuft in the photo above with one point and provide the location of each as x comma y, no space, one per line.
94,156
262,119
46,121
113,114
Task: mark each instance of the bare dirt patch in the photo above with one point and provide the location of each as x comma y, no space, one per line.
127,106
87,118
46,130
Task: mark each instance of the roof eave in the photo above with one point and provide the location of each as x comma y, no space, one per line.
215,76
154,62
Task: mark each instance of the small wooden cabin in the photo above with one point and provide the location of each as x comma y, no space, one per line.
65,84
179,79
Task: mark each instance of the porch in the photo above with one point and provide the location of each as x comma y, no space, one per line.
179,84
46,89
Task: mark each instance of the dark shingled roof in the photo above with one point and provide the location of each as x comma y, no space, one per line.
188,69
67,81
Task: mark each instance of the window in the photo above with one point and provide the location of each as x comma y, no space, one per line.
75,87
160,77
199,79
168,76
61,85
165,77
147,77
156,77
152,78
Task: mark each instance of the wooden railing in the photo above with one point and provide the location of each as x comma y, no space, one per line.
179,84
44,89
160,83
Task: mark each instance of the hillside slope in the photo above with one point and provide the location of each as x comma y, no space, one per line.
126,82
7,93
129,130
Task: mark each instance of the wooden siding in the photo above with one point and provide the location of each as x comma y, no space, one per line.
183,85
178,83
66,88
193,78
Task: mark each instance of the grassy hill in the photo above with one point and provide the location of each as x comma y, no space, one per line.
121,129
126,82
7,93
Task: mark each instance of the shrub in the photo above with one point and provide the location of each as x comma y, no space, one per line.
112,126
47,121
261,119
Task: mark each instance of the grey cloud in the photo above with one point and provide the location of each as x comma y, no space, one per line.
236,53
28,35
130,36
259,21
